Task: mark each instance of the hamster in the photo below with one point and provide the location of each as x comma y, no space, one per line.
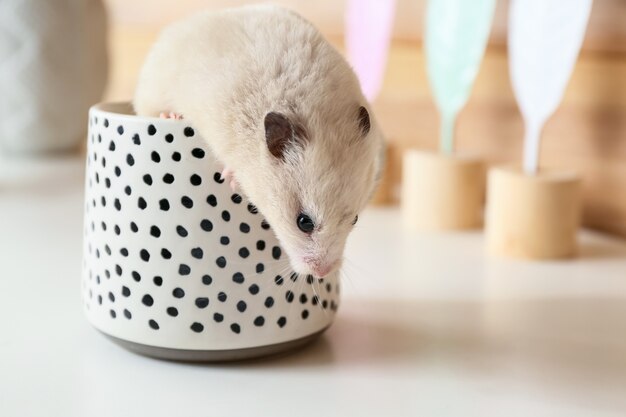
283,111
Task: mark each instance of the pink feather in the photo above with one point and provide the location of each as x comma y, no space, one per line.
368,32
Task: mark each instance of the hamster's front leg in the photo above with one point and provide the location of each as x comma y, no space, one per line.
229,175
171,115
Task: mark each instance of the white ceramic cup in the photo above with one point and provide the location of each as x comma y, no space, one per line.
178,266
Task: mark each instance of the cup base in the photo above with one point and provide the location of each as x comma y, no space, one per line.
223,355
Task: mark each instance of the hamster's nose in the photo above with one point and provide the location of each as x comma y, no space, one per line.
321,271
320,268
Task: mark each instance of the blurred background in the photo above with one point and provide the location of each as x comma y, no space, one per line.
588,131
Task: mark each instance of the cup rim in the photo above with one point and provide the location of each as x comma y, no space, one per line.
123,110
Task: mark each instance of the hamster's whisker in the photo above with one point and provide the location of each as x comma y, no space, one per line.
319,298
238,262
298,287
358,268
279,266
292,288
347,278
303,283
284,272
283,268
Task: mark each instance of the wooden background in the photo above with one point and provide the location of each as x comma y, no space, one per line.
587,133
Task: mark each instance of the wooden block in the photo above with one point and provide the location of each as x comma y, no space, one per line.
384,193
532,216
442,192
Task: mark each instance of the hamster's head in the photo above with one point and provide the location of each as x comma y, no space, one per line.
316,178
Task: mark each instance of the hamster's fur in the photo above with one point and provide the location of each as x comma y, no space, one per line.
227,72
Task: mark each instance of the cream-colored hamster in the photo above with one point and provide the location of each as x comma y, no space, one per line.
283,110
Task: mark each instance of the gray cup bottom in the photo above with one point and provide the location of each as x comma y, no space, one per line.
227,355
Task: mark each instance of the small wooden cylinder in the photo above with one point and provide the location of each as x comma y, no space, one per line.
442,192
383,195
532,216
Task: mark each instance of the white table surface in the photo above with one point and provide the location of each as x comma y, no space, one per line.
429,326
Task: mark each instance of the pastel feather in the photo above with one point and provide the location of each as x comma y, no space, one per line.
456,36
545,37
369,26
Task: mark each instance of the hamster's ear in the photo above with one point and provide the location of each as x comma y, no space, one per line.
364,121
280,134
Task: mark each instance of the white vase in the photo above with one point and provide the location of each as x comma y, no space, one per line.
53,66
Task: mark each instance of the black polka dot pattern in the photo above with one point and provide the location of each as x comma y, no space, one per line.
182,232
155,231
202,302
170,248
195,180
206,225
186,202
238,278
197,253
184,270
147,300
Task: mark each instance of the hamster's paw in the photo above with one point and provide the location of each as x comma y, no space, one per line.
171,115
229,176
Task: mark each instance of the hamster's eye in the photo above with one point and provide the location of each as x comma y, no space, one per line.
305,223
356,219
